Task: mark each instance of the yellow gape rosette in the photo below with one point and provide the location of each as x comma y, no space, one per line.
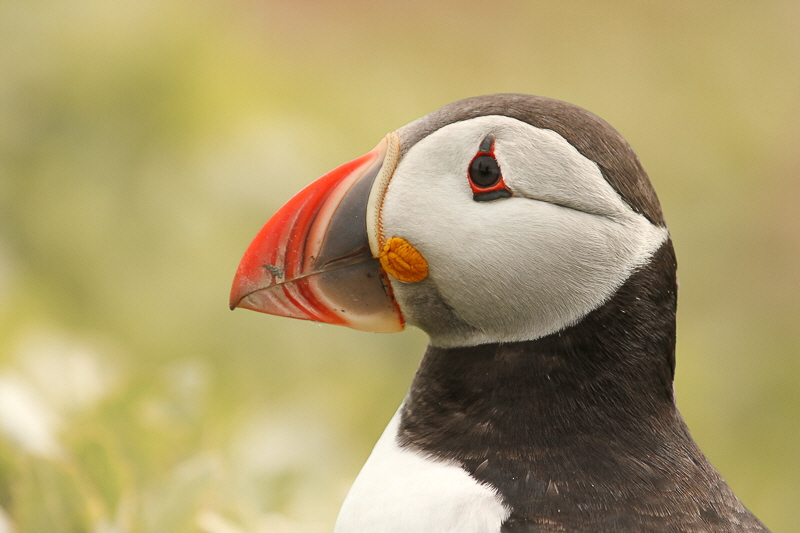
402,261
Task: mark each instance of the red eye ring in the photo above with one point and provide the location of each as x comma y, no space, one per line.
484,174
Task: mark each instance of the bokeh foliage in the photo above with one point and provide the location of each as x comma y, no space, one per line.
142,144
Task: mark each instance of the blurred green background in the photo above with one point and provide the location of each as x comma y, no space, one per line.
143,143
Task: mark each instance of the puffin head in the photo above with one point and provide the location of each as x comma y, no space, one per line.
498,218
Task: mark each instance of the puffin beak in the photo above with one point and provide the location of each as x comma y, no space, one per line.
313,260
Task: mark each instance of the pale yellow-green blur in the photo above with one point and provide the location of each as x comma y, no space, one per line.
144,143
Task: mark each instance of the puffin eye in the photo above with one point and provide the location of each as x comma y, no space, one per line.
485,178
484,171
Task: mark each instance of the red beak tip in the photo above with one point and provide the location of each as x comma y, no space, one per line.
235,300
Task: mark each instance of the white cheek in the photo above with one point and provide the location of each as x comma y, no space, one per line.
541,164
517,268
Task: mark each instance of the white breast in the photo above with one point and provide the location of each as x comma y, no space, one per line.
400,491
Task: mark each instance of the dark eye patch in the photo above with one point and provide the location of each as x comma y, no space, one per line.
486,144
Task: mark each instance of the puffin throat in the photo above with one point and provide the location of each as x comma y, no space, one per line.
612,372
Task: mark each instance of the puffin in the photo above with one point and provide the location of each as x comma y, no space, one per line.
523,235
